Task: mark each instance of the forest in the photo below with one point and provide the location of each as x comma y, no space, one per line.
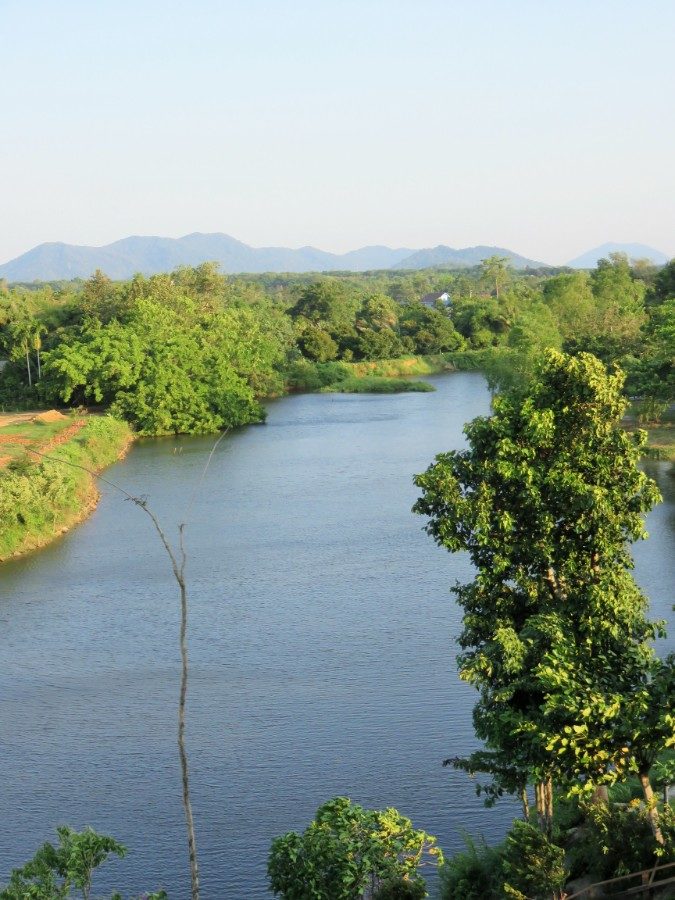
196,351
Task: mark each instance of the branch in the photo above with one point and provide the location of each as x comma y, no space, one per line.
178,562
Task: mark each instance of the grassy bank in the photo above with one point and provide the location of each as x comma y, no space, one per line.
40,499
661,441
387,376
660,436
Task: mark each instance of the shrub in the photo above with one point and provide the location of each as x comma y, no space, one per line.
618,840
533,866
346,850
401,889
473,874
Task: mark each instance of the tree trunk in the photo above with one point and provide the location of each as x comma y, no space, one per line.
526,803
38,362
652,811
539,801
30,376
548,806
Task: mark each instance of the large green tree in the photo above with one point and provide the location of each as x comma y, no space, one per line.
546,500
167,377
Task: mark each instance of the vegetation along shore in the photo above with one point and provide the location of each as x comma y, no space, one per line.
41,499
196,351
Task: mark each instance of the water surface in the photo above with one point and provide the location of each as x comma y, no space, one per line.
321,645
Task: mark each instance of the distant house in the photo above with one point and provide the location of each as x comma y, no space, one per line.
431,301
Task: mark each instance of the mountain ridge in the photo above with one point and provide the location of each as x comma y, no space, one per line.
589,259
121,259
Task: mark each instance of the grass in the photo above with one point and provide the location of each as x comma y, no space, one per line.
388,376
40,498
405,366
377,384
660,435
15,438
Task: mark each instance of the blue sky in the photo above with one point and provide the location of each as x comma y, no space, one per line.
545,126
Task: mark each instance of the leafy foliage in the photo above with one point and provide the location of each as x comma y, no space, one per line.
347,849
617,839
533,866
55,871
473,874
159,376
546,500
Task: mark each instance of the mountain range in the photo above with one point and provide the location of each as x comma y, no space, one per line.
122,259
148,255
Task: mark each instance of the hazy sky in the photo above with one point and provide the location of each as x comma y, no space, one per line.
545,126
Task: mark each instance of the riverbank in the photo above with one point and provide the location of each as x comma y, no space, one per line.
381,376
41,498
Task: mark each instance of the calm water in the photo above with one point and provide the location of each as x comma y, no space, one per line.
321,645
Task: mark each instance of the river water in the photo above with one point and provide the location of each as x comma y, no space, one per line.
321,643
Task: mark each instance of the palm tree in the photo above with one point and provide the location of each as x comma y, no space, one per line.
21,333
36,335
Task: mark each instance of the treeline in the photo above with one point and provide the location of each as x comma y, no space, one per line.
196,351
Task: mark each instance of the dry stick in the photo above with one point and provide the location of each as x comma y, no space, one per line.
179,575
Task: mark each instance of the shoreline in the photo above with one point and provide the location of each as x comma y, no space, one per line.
85,494
101,442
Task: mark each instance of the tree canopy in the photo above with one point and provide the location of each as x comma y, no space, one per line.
546,500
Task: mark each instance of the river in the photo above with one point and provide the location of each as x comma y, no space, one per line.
321,643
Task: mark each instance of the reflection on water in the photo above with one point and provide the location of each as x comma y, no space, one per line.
321,645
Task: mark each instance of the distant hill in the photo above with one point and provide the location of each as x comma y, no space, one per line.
122,259
468,256
589,260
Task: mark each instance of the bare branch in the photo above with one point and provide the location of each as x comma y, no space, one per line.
178,563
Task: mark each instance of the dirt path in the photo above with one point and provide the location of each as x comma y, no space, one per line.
61,437
13,418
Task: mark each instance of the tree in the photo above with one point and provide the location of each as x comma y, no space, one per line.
326,302
348,851
619,301
570,299
162,376
664,284
496,271
97,299
53,871
651,377
546,500
316,343
36,339
19,335
378,312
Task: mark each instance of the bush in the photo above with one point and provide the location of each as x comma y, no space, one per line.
533,866
303,375
345,850
618,840
474,874
401,889
376,384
